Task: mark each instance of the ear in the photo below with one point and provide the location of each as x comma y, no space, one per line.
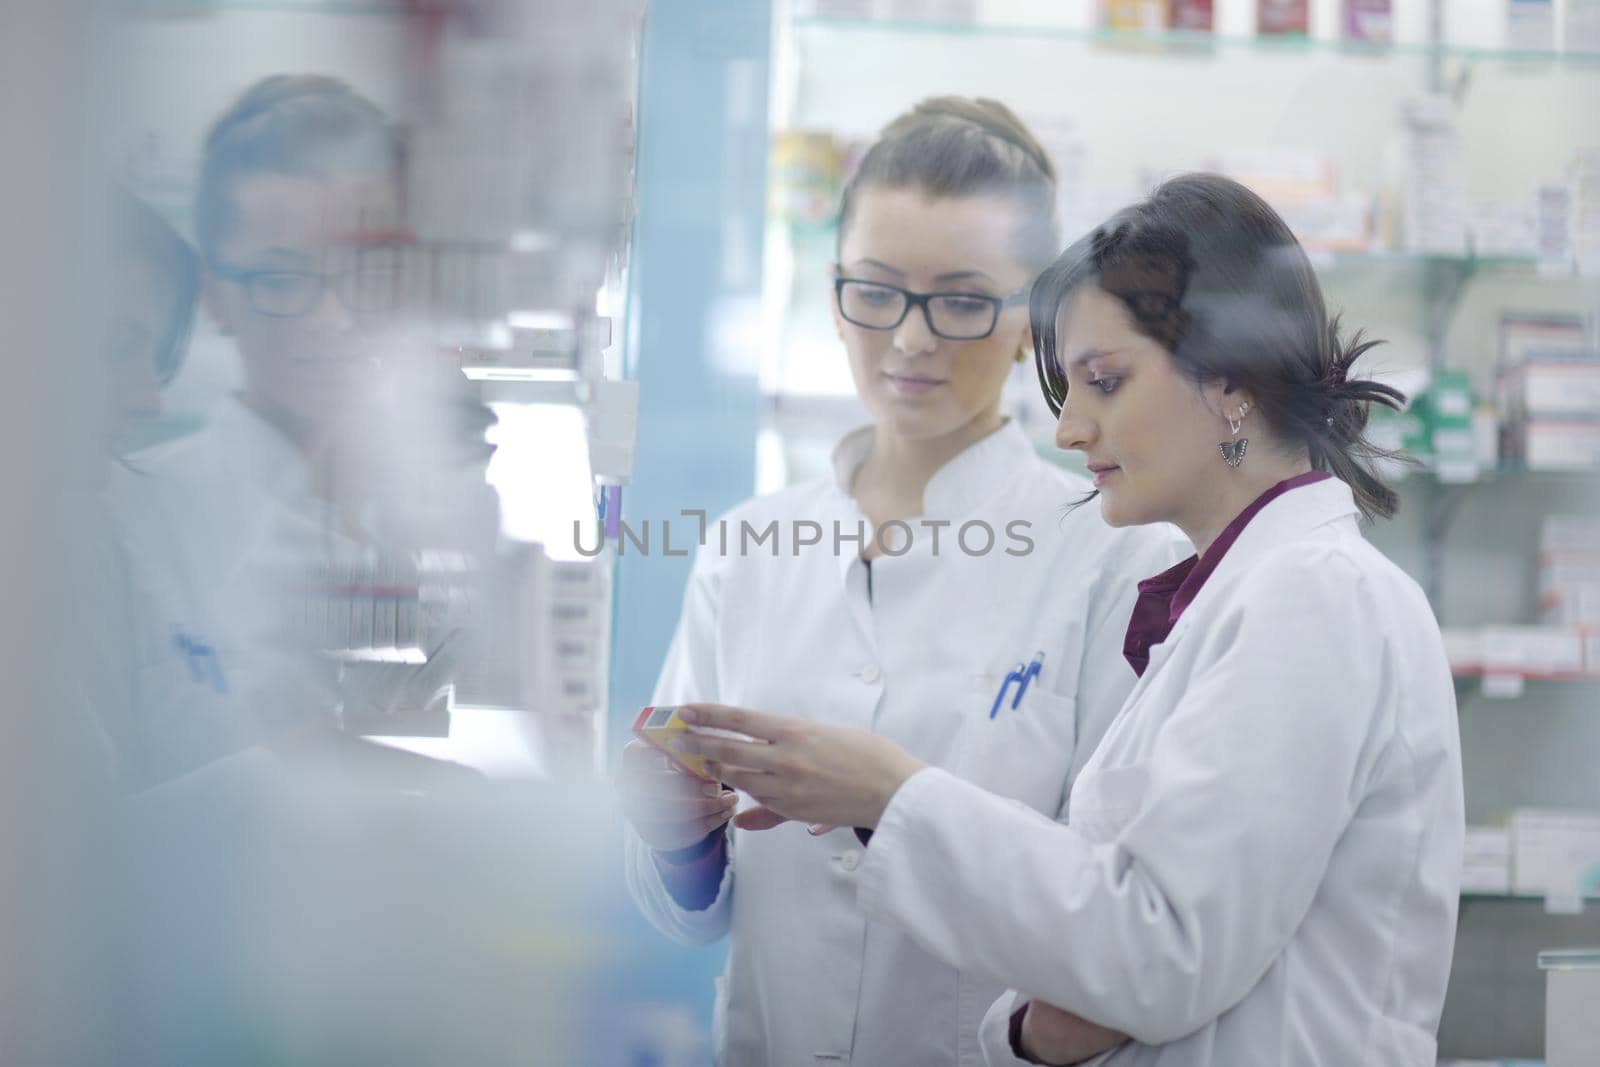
1025,349
218,303
1224,399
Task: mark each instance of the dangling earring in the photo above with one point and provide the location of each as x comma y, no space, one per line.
1233,451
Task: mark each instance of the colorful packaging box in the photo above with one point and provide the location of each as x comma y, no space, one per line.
1193,16
1283,18
1369,21
1143,16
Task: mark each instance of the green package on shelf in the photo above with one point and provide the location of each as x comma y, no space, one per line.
1400,431
1445,411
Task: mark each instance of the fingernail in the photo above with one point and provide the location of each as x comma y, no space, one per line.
688,714
711,789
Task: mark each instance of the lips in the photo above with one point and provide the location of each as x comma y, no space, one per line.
1101,472
912,384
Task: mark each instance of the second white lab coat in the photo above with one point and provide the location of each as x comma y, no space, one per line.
810,980
1263,861
223,535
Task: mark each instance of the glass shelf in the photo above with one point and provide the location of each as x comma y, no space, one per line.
1400,257
809,237
1182,42
1555,479
1541,681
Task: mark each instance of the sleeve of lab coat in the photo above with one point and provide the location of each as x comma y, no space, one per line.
1251,782
994,1033
689,673
1104,676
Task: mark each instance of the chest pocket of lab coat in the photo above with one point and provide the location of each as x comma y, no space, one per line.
1024,753
189,711
1105,800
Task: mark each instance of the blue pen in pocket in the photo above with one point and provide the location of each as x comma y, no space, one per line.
201,660
1021,675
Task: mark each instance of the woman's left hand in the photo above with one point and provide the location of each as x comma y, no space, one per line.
1053,1035
799,769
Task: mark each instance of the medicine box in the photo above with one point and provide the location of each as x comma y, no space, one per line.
1486,860
1555,852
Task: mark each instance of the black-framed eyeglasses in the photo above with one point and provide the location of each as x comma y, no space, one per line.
372,285
955,316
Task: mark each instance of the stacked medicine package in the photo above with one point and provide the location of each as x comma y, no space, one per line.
1565,643
1543,852
1552,853
1434,197
1548,392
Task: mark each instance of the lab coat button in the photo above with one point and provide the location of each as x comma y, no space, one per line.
850,860
870,674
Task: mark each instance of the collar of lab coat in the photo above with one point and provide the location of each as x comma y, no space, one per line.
958,489
977,474
1294,516
258,453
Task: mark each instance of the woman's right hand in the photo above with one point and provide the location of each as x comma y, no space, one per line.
669,808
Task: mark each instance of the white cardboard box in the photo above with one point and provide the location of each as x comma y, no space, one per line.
1555,852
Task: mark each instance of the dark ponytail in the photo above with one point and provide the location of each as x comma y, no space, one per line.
1337,439
1207,269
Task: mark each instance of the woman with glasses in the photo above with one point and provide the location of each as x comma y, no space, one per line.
334,460
932,591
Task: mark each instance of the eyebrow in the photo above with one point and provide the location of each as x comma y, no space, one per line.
950,276
1089,354
880,266
962,275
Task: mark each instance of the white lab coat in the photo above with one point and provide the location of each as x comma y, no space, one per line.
1263,862
809,979
227,541
223,536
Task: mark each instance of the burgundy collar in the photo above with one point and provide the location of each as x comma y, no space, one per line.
1162,599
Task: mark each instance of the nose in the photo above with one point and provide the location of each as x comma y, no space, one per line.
915,335
1074,431
332,314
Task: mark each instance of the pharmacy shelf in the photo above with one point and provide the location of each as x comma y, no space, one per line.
1382,258
817,241
1472,676
1517,898
1507,475
1188,43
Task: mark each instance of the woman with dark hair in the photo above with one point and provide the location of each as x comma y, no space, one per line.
1263,858
913,610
